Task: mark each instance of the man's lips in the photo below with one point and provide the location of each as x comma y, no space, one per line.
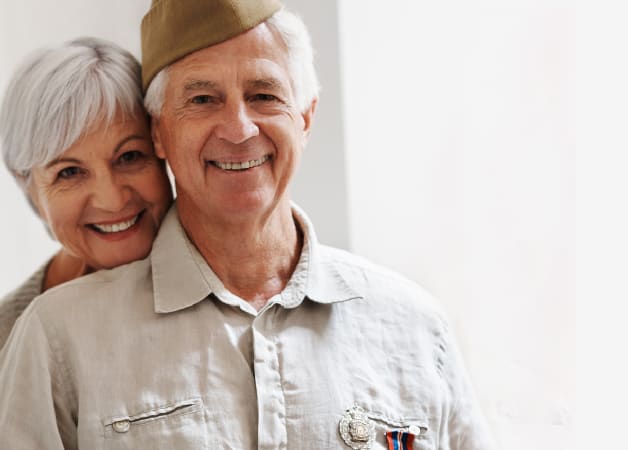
239,165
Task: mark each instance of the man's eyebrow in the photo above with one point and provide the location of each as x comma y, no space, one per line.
198,85
272,84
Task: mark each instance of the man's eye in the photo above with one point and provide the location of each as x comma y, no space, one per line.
68,172
130,156
200,99
265,97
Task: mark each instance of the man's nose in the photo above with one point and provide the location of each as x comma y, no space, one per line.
236,125
110,193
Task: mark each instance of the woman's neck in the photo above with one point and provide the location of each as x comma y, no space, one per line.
63,267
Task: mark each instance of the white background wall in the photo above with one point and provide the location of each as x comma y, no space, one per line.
443,147
461,162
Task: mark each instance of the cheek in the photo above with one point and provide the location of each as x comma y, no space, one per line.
62,211
186,141
54,208
175,159
153,187
290,144
64,221
284,134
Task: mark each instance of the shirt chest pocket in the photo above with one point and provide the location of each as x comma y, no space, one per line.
412,433
178,425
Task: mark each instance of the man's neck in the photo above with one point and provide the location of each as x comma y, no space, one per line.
254,259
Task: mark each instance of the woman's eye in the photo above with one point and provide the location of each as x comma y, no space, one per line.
68,172
130,156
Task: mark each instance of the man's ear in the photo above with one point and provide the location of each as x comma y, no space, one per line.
156,136
308,117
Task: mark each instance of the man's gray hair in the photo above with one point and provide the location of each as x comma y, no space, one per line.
296,38
59,94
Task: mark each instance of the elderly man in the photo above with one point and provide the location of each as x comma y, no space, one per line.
240,330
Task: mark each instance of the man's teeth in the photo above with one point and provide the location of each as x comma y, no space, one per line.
241,165
116,227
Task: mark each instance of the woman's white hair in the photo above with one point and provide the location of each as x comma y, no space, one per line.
295,37
59,94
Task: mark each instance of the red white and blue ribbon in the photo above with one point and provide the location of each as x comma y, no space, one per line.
399,440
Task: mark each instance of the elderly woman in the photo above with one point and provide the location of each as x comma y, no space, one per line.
76,138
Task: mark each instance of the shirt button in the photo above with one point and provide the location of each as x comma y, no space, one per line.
121,426
415,430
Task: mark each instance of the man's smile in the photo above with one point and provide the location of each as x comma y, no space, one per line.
240,165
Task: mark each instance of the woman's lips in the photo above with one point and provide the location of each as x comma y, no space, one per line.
116,229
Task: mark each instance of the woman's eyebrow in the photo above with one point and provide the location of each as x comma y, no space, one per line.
127,139
62,160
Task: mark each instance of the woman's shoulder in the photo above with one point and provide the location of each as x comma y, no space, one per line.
15,302
86,297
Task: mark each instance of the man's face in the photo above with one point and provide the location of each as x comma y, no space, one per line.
230,128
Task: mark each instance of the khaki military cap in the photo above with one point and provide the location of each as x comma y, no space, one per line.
172,29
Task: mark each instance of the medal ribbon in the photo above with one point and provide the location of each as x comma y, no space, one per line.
399,440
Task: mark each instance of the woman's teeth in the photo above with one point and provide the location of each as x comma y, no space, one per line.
241,165
116,227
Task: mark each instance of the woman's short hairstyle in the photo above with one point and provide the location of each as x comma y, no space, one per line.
295,37
59,94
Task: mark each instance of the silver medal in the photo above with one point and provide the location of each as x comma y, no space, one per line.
356,429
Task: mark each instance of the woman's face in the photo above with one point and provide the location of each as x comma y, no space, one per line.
105,196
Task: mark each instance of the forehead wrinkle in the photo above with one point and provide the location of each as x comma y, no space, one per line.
198,85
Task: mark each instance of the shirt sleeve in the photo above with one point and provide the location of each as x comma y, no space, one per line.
467,427
35,411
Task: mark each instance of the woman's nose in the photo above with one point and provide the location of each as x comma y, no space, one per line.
110,193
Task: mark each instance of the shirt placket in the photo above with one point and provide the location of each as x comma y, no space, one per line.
272,433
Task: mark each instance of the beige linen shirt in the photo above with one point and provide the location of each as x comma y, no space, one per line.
157,354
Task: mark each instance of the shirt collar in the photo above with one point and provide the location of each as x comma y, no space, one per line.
182,278
178,281
318,276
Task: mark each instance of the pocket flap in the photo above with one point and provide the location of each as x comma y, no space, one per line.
121,424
